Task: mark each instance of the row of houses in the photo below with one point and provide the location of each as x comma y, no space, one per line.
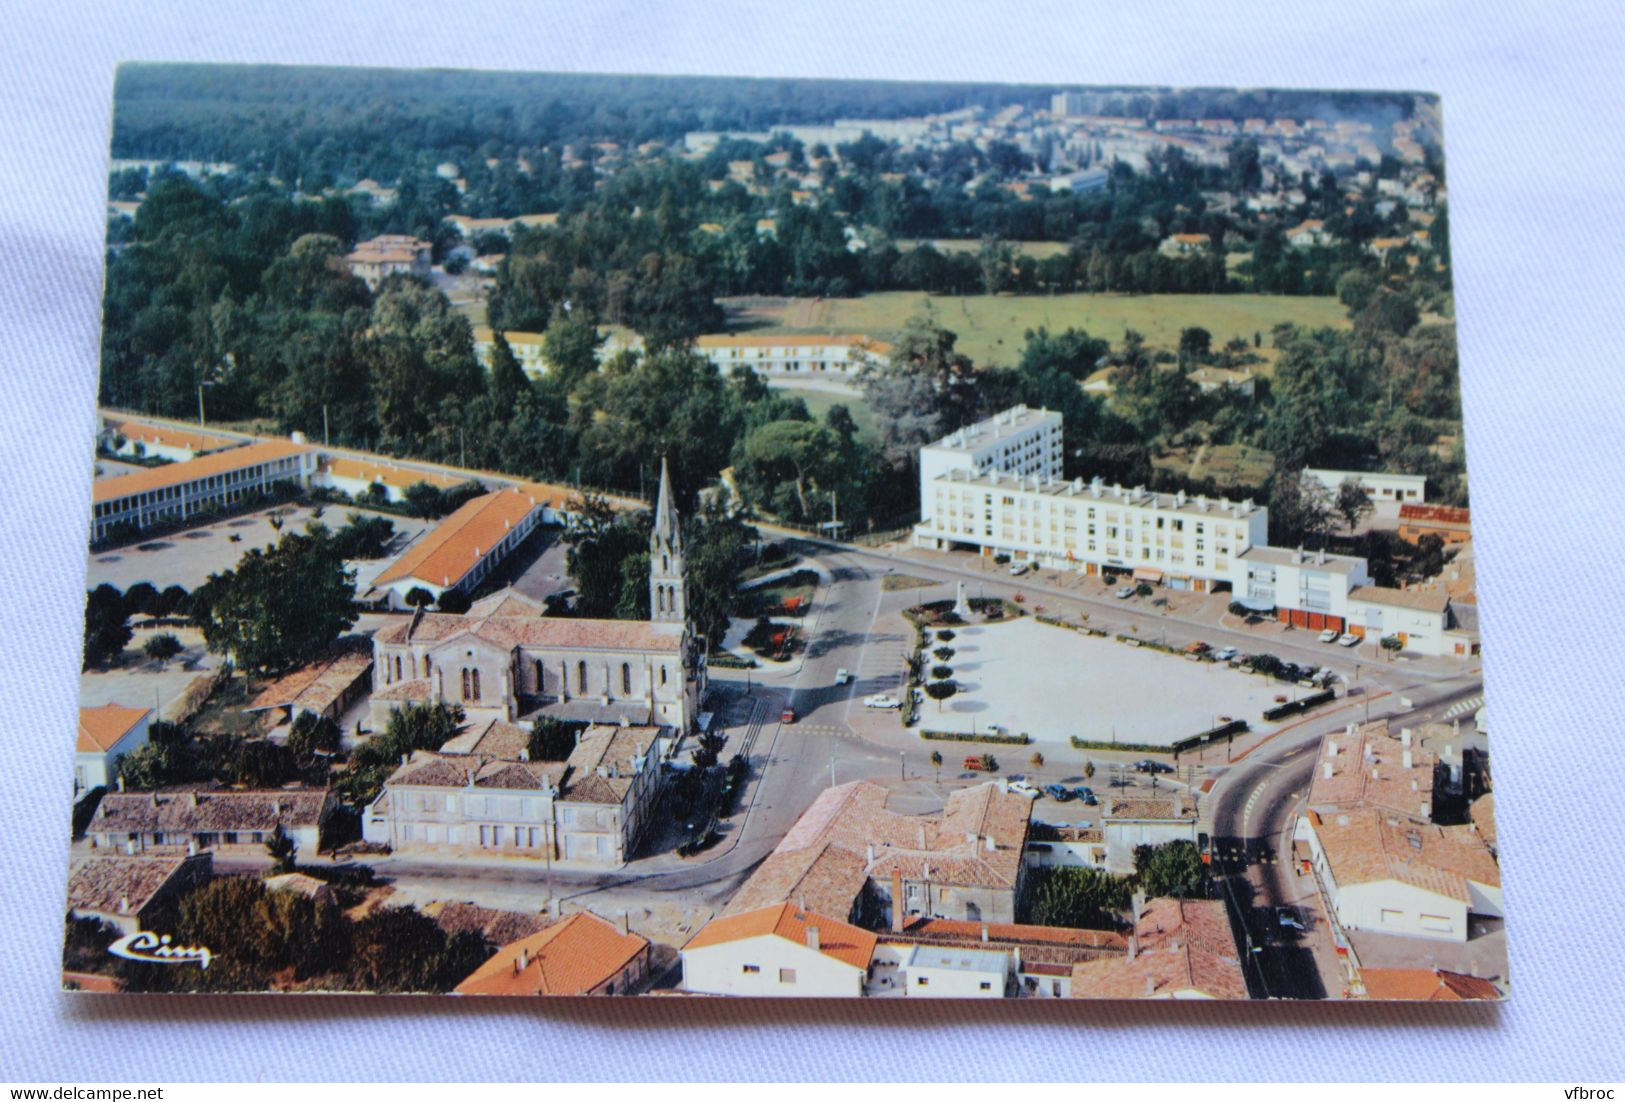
775,357
996,487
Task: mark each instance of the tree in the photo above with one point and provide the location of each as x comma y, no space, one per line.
1171,869
283,851
551,739
106,631
423,499
162,647
936,763
150,765
1036,761
1080,898
1194,343
790,451
1352,503
310,734
418,597
940,691
942,673
1236,608
1089,770
279,608
400,949
707,749
944,653
508,379
1393,644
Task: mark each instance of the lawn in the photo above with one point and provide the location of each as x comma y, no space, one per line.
1038,250
789,596
894,582
820,401
991,327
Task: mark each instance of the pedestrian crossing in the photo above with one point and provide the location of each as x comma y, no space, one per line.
1464,707
823,729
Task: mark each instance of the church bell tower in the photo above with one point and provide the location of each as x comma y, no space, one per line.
668,596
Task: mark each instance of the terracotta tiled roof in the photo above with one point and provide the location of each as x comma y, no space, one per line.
1444,516
826,879
458,543
492,739
416,689
1167,808
505,602
100,728
1366,846
1368,769
169,437
574,956
579,635
1401,598
175,474
121,885
318,686
1425,984
212,810
1015,933
604,763
387,474
838,940
497,927
1482,816
1183,948
427,769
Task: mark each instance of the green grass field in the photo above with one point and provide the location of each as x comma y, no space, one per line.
1038,250
819,401
991,327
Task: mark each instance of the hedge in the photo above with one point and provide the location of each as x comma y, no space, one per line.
1132,747
956,736
1223,730
725,661
1313,700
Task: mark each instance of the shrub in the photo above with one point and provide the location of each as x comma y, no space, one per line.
942,673
988,737
946,635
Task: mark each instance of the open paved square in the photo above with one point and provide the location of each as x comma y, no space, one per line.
1054,683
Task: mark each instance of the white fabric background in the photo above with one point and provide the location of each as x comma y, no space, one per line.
1532,97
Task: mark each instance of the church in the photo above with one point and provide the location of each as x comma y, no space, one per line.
505,659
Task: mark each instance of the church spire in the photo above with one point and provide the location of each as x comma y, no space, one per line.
668,595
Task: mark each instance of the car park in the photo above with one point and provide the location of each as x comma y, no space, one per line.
1058,792
1329,635
842,677
881,700
1125,592
1348,640
1022,788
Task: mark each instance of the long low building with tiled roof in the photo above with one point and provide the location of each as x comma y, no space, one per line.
134,822
178,492
838,356
132,893
152,440
463,549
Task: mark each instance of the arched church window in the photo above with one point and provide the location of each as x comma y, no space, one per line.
626,678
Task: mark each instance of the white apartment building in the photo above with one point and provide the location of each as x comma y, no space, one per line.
1308,589
1020,441
839,356
1178,540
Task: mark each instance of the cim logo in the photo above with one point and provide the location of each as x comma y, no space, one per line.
152,948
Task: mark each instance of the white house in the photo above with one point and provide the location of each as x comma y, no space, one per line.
1417,619
1387,874
1308,589
1378,485
772,356
1130,822
178,492
925,971
106,734
778,951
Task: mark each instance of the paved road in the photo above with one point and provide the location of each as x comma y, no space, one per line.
1254,808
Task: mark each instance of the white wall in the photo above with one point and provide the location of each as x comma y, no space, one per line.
722,970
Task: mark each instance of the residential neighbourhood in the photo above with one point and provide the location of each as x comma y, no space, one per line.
766,617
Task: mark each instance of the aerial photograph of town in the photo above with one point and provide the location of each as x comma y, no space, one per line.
574,534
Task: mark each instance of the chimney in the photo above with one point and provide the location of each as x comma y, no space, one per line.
1405,758
123,904
1404,736
553,907
970,837
523,960
1326,770
869,854
121,782
1150,986
1427,810
984,933
1331,748
191,799
1139,904
129,846
191,847
1133,946
812,937
403,759
920,831
991,845
897,902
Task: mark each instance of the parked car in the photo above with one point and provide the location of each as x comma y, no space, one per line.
1058,792
881,700
1197,648
842,677
1348,640
1085,793
1125,592
1148,765
1017,569
1288,917
1022,788
977,763
1329,635
787,716
1225,654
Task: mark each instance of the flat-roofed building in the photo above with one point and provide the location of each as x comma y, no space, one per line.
839,356
462,550
943,971
1020,441
1378,485
1128,822
178,492
1308,589
1419,619
1182,541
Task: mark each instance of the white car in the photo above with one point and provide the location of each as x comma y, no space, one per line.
1022,788
1125,593
842,677
1329,635
1225,655
881,700
1017,569
1348,640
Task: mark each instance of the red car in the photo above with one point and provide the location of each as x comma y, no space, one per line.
787,716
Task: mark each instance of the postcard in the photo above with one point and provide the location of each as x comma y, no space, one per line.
564,534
